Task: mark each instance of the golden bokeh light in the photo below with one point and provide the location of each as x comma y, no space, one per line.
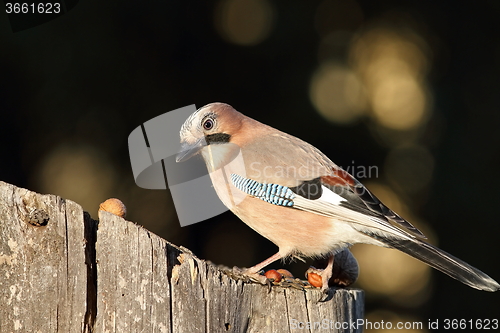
380,50
337,93
409,167
244,22
393,66
79,173
391,273
398,102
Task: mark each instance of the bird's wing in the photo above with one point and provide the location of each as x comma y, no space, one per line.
341,189
319,184
312,196
359,207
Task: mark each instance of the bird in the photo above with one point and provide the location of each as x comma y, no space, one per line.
291,193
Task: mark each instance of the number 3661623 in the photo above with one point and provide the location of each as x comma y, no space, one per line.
32,8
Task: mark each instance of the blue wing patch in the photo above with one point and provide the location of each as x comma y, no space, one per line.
272,193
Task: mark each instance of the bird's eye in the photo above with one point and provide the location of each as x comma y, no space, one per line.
208,124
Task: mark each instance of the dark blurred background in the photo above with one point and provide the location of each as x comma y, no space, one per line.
402,94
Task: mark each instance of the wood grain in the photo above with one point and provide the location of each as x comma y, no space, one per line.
61,271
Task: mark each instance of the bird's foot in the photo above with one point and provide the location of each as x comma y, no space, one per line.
283,278
287,279
319,277
248,275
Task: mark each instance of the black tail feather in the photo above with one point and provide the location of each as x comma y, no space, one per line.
444,262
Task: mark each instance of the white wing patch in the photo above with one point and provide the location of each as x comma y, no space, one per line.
330,196
329,205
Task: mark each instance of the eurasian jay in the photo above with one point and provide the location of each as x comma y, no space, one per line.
292,194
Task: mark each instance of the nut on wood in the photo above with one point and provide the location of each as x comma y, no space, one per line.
114,206
315,280
285,273
273,275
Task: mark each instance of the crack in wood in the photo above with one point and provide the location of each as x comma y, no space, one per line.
90,232
92,276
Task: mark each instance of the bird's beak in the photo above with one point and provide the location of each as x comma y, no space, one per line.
189,150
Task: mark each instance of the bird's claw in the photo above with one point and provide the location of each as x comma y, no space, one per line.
326,295
324,274
242,274
269,285
248,276
294,283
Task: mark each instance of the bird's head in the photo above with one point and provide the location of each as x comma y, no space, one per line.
212,124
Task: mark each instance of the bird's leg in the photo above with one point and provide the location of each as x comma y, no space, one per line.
325,274
253,272
270,260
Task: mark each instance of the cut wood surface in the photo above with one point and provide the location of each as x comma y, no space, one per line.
61,271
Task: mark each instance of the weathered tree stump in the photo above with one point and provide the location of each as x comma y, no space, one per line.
61,271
